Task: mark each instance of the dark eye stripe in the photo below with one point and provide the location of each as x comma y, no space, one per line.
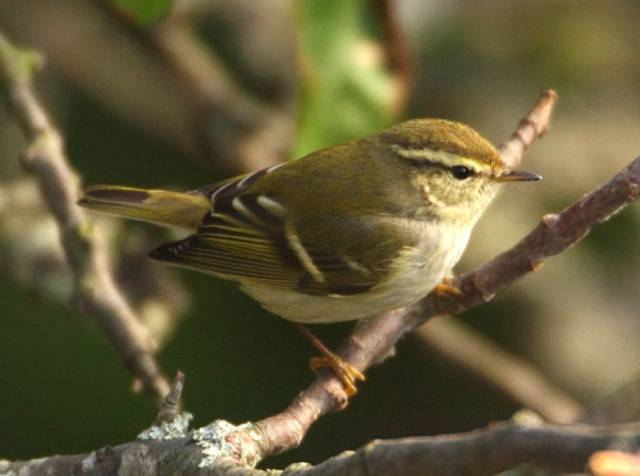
459,172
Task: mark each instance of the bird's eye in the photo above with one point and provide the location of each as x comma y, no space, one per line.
461,172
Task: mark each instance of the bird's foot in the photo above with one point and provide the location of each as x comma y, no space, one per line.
446,290
346,373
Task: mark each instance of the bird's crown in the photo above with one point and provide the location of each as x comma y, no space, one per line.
443,141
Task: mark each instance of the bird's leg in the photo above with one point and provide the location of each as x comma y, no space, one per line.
346,373
446,290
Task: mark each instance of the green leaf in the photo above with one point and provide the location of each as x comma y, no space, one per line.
145,12
346,90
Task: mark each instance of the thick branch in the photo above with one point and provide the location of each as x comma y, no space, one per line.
96,294
480,452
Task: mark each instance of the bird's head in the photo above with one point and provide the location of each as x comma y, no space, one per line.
454,168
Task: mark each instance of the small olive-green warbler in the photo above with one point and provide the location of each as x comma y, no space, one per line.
343,233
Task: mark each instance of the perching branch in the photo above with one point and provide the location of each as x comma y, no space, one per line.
96,293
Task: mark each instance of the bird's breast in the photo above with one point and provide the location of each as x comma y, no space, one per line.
420,268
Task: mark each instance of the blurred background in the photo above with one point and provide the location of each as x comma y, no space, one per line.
180,94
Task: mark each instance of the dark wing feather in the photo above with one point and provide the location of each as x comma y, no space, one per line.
250,238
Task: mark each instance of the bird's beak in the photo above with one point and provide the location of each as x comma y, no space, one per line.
518,176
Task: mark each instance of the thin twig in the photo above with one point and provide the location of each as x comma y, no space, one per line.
509,374
534,125
38,264
96,293
171,404
130,85
233,129
396,52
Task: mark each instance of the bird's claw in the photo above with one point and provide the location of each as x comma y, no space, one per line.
346,373
446,290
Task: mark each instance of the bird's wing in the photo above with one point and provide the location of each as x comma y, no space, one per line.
252,238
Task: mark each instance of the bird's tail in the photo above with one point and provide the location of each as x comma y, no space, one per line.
182,209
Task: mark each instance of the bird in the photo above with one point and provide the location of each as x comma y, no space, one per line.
343,233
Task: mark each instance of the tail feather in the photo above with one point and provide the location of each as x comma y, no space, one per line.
182,209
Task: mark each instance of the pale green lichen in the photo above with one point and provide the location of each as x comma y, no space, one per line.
89,462
527,417
4,466
213,441
294,467
176,428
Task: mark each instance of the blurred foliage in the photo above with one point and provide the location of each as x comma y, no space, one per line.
346,90
144,12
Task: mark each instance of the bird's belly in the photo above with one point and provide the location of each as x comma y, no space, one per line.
423,268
